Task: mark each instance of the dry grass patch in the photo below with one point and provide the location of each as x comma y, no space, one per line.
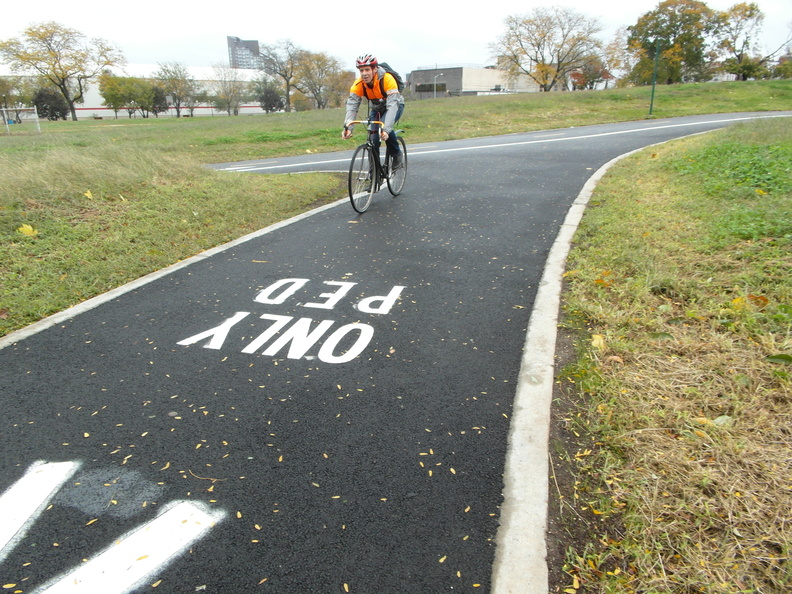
685,331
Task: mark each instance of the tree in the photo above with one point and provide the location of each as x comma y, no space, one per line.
547,44
230,88
316,73
338,87
132,94
179,86
784,67
736,32
592,73
50,104
63,57
17,92
267,94
159,103
193,101
681,28
282,60
617,56
113,91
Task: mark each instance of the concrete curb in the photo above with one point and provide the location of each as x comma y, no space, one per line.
521,555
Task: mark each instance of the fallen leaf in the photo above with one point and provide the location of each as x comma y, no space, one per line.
27,230
598,342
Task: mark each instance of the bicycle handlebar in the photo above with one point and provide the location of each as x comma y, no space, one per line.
367,122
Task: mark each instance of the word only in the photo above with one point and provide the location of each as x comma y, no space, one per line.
298,337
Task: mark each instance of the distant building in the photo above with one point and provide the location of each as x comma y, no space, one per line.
244,53
456,80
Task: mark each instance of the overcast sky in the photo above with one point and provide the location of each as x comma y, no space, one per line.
422,33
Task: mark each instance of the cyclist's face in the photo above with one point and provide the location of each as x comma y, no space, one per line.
366,73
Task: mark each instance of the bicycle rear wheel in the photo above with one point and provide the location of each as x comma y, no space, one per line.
397,178
362,178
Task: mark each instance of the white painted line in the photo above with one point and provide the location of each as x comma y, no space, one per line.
26,499
140,554
598,135
562,136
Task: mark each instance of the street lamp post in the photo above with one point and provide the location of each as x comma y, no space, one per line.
435,84
654,74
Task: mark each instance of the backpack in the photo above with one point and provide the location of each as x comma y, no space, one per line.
385,68
394,74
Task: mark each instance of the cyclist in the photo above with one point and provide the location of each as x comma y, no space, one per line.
385,100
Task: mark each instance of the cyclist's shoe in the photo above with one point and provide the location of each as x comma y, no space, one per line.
398,161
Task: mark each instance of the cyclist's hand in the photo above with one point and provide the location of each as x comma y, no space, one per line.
383,135
346,134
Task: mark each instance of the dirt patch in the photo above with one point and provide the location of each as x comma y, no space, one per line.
572,525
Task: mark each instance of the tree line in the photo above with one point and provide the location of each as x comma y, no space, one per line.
678,41
556,47
64,62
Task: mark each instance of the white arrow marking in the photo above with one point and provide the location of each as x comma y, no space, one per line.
140,553
26,499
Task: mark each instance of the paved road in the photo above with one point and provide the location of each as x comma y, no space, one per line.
323,407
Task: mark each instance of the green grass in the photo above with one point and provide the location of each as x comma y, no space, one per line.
110,200
222,138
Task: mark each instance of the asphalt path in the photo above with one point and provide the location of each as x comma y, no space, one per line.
323,406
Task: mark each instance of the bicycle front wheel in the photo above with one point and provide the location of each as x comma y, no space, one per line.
362,178
397,177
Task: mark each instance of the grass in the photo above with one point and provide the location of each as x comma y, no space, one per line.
678,296
76,222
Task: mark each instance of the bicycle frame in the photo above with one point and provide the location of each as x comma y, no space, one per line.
368,173
382,171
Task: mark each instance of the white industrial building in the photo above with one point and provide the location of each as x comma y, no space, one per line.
458,80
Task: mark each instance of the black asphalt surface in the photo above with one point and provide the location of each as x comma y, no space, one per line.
378,474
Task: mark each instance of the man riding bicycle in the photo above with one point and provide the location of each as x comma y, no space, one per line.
386,102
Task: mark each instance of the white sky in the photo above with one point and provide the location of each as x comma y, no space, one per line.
423,33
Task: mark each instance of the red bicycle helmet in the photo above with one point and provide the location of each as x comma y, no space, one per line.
367,60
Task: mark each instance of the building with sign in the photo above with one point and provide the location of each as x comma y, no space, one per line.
457,80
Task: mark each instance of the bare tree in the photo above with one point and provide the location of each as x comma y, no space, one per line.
282,60
547,44
230,88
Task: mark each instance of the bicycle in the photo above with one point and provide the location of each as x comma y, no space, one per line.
366,171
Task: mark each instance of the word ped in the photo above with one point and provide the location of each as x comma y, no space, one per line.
298,337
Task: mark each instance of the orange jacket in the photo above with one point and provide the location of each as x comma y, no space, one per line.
373,91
